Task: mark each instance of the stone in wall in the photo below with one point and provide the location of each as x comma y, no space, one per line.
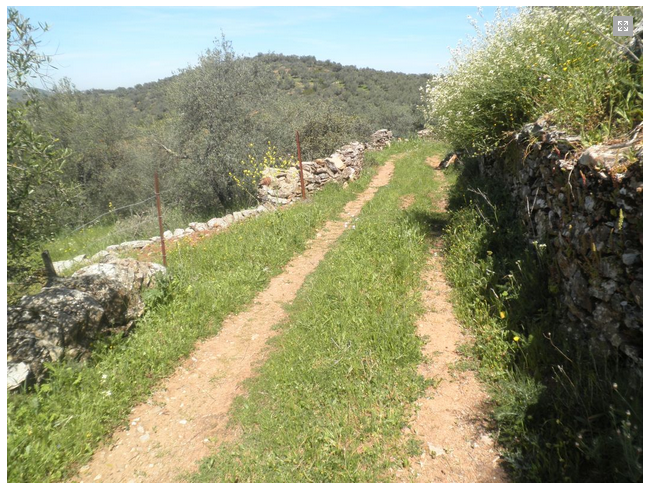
281,187
381,139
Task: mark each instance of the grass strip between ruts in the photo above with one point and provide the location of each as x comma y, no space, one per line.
330,402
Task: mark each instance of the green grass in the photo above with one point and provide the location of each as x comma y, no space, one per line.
562,413
330,402
53,430
111,230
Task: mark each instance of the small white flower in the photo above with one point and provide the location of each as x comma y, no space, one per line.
107,393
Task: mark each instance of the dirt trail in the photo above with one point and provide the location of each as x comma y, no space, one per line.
451,417
184,420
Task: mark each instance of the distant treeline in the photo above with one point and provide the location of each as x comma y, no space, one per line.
385,99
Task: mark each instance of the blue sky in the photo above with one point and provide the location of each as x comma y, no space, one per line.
108,47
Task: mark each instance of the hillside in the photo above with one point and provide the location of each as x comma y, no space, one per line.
383,99
474,317
197,126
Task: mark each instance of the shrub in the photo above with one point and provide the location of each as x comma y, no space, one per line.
542,59
34,164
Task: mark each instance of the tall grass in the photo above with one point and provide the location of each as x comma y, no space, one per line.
55,428
563,413
561,60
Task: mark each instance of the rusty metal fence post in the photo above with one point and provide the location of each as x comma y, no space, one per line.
299,159
157,201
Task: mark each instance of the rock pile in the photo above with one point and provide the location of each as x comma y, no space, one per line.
586,207
381,139
67,316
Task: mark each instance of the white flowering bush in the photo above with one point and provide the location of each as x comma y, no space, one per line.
524,65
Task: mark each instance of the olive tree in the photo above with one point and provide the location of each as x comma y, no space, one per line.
100,132
217,106
34,162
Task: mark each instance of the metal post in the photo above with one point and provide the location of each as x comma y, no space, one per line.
299,159
157,201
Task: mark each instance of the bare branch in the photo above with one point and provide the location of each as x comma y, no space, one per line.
171,151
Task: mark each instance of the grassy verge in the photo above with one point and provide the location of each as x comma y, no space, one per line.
98,236
562,414
54,429
330,402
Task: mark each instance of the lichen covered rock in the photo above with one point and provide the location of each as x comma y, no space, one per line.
67,316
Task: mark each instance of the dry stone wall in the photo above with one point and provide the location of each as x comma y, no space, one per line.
585,205
281,186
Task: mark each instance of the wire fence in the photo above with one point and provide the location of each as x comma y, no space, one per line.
142,225
97,234
112,211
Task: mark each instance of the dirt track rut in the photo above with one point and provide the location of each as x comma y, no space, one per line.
451,419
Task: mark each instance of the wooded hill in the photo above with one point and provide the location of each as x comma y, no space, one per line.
243,104
383,99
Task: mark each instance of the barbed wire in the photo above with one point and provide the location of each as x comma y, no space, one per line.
115,210
111,212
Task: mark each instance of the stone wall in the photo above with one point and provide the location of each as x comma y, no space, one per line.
585,205
281,186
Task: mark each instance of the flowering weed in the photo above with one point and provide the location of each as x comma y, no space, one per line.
539,60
